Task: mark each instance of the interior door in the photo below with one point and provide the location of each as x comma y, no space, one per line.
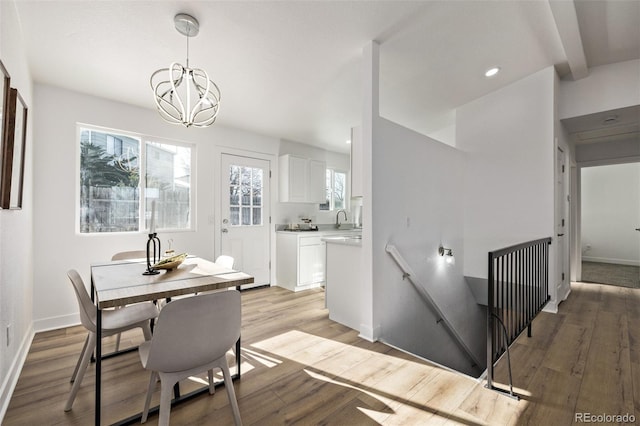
561,226
245,215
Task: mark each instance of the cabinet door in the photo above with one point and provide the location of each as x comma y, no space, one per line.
311,264
293,179
316,191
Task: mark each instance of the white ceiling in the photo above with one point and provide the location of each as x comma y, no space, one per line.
292,69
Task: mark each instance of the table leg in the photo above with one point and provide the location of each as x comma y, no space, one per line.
98,363
238,356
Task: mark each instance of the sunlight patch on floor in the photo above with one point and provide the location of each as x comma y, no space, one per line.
407,389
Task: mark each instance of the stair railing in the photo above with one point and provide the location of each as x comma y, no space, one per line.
518,290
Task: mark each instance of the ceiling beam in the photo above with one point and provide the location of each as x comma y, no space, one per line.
564,13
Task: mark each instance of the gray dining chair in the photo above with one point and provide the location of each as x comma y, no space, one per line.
127,255
192,335
113,322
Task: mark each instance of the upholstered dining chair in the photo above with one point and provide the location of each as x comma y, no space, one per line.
225,261
192,335
127,255
113,322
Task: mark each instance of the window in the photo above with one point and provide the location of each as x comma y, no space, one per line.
118,171
336,190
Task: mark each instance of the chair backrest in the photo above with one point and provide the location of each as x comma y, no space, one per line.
135,254
194,331
87,308
224,260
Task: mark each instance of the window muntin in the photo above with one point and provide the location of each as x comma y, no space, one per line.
111,187
336,189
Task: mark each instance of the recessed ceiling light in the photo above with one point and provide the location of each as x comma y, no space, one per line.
492,71
349,141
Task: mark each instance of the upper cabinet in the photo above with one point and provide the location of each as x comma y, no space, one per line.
302,180
356,162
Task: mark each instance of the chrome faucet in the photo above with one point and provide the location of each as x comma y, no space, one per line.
338,217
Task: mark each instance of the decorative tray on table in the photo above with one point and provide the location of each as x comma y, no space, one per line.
170,263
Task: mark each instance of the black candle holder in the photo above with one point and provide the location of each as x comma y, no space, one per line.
153,242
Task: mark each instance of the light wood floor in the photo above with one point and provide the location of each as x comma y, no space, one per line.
301,368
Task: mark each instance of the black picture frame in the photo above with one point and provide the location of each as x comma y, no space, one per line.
13,152
5,91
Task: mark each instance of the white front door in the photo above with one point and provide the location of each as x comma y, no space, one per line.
245,215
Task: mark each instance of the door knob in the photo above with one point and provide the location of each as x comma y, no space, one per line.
637,229
560,235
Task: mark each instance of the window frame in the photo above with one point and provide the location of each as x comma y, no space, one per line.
143,138
346,191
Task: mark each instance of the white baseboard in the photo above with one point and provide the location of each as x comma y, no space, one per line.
372,334
608,260
551,307
55,323
9,383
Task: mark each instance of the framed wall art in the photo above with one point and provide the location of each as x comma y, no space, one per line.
5,91
13,151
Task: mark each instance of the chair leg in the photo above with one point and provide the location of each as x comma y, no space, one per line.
118,342
152,383
84,348
212,387
166,392
86,357
146,330
228,385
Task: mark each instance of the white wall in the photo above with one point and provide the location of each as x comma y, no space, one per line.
509,187
607,87
610,213
58,247
16,242
417,204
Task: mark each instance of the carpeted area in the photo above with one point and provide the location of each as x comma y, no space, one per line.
612,274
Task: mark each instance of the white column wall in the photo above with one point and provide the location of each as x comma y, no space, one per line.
509,187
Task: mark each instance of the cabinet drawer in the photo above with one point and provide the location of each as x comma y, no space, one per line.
311,241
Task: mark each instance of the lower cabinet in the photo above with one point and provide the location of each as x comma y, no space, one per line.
300,261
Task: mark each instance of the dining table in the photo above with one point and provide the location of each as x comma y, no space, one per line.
123,282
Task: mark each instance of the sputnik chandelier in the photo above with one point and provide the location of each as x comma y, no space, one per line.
185,95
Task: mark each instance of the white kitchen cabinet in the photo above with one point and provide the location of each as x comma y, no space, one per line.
300,260
301,180
356,162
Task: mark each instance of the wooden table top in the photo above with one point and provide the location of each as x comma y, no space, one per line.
121,282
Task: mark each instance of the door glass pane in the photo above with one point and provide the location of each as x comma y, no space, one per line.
234,216
234,197
234,175
245,192
246,215
257,216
